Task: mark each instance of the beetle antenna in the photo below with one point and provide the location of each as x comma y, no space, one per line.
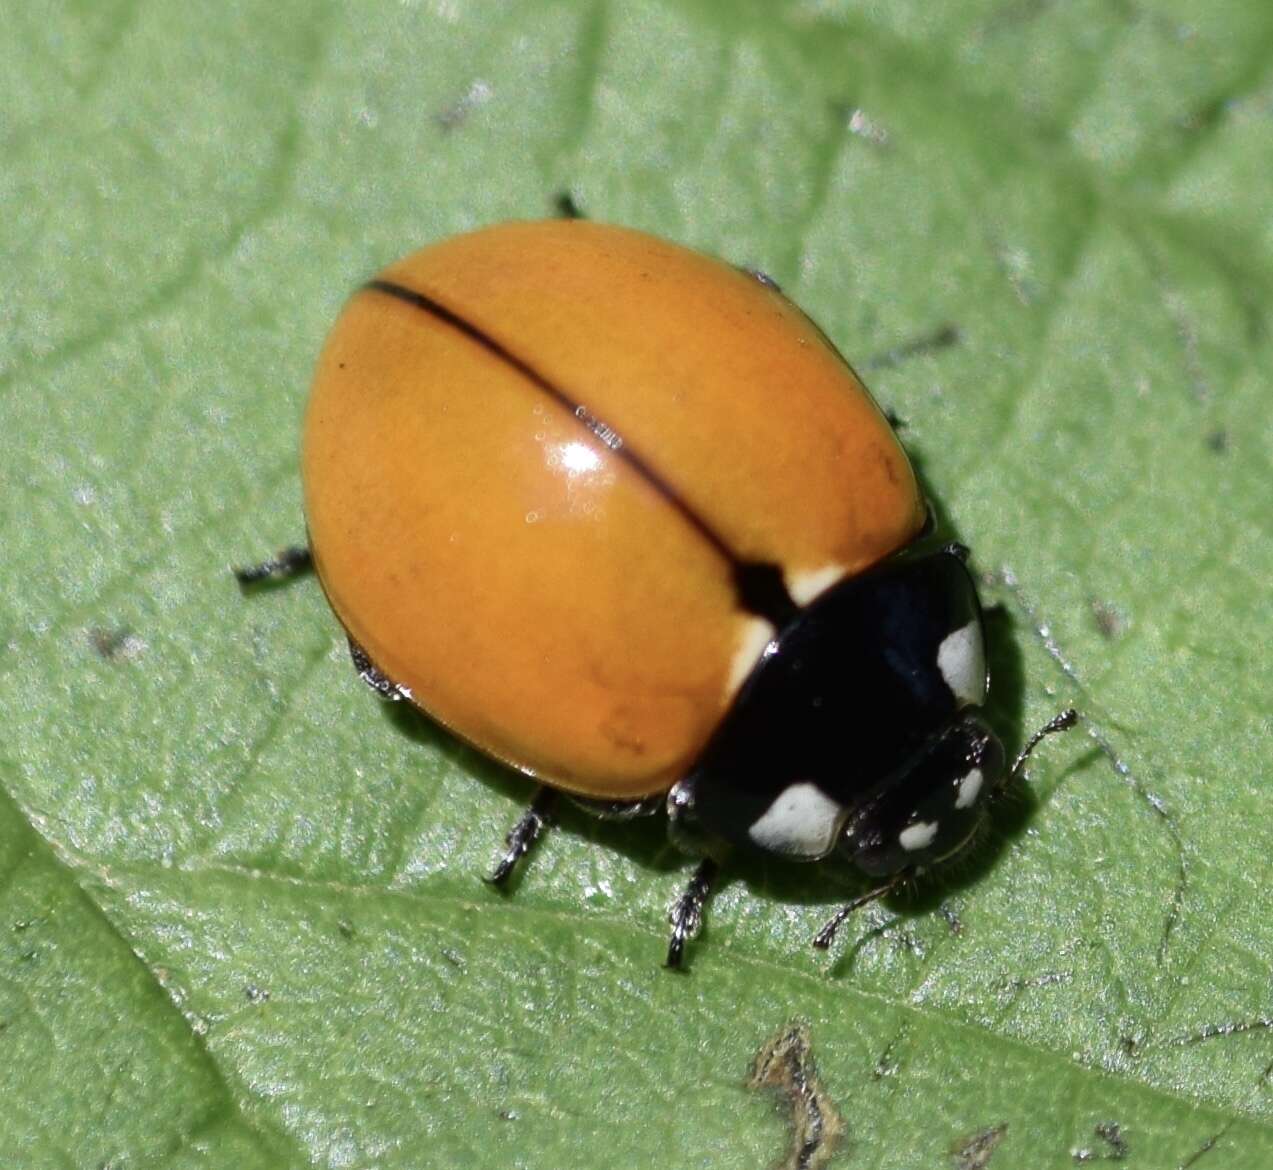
1062,722
823,939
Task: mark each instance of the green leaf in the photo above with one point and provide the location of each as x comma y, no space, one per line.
241,920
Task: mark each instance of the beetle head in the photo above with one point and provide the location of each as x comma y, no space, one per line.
933,806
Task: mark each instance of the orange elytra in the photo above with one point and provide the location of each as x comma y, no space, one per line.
554,475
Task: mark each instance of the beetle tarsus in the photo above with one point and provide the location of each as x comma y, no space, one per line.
1062,722
686,914
824,938
566,206
524,834
283,566
761,277
374,677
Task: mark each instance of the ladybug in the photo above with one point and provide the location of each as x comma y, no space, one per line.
621,516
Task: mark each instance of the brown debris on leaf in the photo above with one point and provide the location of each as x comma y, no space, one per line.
785,1064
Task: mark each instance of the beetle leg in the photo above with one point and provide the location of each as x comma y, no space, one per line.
619,810
525,833
760,277
823,939
374,677
282,566
566,207
686,914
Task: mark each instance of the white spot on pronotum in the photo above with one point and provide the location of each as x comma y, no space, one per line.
961,658
802,822
969,789
917,836
807,584
754,637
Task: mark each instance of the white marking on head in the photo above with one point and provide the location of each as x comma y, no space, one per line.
805,585
969,789
754,636
803,821
917,836
961,658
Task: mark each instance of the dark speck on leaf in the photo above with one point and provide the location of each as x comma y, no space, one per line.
1111,1133
1206,116
888,1064
943,337
115,645
975,1151
457,113
1109,621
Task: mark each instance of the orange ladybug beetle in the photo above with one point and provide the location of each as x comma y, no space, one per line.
620,516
